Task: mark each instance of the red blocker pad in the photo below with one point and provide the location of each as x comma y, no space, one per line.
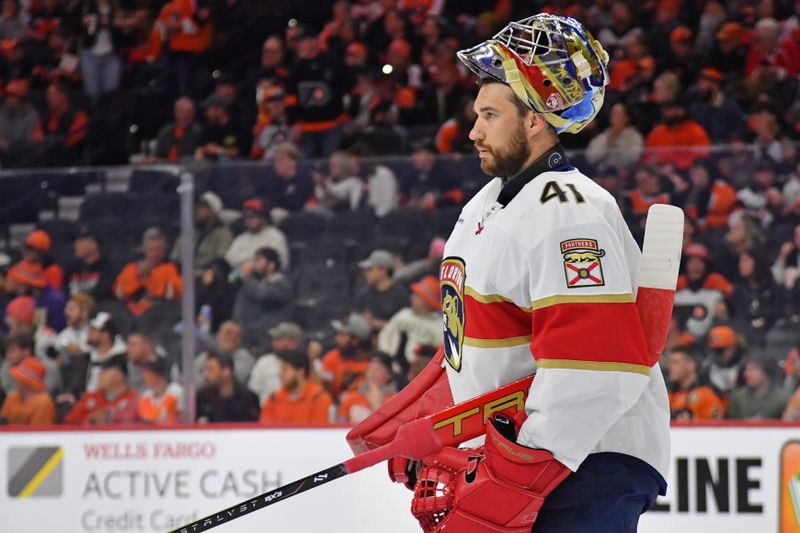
426,436
428,393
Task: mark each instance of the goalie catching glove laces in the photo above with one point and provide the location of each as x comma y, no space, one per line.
539,274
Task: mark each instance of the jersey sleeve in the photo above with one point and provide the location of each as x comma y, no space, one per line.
587,338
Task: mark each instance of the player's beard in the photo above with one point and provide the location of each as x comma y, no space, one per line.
507,163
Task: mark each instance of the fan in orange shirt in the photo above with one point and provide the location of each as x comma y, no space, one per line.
29,403
377,387
677,140
142,283
345,364
691,398
160,403
299,400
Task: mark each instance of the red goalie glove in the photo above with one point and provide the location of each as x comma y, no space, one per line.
497,488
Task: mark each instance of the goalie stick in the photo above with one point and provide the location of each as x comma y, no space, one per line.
426,436
415,440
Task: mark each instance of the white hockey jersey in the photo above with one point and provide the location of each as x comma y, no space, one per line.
548,281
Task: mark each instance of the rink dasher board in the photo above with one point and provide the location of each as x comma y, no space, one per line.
726,479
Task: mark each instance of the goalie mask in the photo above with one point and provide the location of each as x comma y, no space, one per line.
553,65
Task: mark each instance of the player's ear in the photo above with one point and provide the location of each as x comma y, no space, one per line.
536,123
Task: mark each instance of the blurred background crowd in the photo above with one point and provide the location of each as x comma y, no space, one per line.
329,147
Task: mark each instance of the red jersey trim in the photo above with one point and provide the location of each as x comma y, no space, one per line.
494,321
589,332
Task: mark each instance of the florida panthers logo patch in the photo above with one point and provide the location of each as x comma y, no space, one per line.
582,265
451,279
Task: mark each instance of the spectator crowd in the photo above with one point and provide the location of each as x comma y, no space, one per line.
316,267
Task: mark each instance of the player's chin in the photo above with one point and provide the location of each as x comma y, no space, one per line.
487,166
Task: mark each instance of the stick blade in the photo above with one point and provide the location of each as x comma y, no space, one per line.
663,241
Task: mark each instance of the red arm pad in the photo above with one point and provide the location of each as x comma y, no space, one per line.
655,310
427,394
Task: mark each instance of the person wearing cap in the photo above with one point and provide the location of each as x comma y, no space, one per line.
649,191
620,144
223,136
377,387
258,233
212,237
223,398
265,296
179,139
711,200
20,314
105,343
29,403
682,58
161,401
114,402
381,298
676,130
725,364
427,266
19,347
299,400
265,377
416,330
714,110
37,251
690,397
697,272
26,278
150,280
729,52
18,118
91,273
346,363
272,128
760,398
316,84
294,187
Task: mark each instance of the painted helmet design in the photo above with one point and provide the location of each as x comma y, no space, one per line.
552,63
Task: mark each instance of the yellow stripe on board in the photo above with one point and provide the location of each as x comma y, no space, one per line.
42,474
497,343
593,365
582,299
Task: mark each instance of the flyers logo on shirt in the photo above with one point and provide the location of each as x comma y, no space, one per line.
790,488
452,275
582,266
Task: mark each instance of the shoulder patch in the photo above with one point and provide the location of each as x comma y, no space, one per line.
452,276
582,266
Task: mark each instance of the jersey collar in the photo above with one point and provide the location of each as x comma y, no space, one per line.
555,159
